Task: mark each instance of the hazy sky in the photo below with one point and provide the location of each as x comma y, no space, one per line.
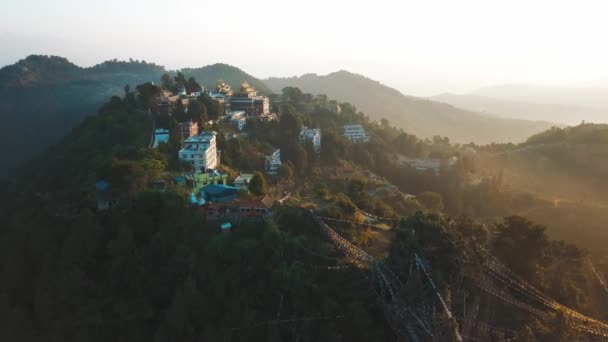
420,47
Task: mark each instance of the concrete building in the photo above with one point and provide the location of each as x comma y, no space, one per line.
256,208
201,152
430,164
237,118
242,181
161,135
201,179
355,133
311,134
248,100
272,162
188,129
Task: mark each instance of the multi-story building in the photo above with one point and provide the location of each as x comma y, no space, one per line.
248,100
256,208
272,162
200,179
356,133
311,134
236,118
188,129
201,151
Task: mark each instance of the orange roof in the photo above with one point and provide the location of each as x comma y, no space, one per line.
260,202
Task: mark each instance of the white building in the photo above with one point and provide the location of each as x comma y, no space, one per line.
356,133
237,118
201,151
198,92
242,181
432,164
272,162
311,134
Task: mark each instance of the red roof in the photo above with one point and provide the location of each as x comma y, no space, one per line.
260,202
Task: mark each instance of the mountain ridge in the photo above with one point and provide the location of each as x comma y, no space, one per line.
565,114
420,116
573,95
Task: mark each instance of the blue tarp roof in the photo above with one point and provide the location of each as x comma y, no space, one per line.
102,185
218,189
194,200
158,138
179,179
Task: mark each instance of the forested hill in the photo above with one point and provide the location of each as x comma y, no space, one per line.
210,74
422,117
580,151
568,169
42,98
155,267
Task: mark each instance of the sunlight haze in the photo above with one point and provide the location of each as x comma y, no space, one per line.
421,48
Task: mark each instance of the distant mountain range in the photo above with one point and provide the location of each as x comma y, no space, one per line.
569,114
590,97
424,117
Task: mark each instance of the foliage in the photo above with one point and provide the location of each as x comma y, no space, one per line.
43,97
209,75
159,269
258,185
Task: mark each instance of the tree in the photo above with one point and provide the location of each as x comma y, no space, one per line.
167,81
528,239
356,190
258,185
127,176
431,200
292,94
290,123
214,108
197,112
286,170
148,93
179,111
180,80
192,85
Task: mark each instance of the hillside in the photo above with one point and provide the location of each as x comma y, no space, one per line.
155,266
420,116
580,96
566,170
210,74
525,110
43,97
